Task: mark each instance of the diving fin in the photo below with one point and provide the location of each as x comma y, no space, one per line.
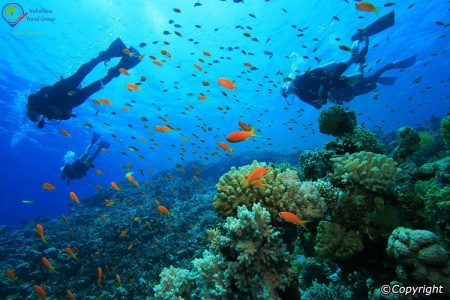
130,61
379,25
103,144
405,63
114,50
95,137
387,80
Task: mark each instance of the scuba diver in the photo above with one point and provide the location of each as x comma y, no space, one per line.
57,101
324,83
77,168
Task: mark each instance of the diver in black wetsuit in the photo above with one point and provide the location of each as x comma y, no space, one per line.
57,101
321,84
77,169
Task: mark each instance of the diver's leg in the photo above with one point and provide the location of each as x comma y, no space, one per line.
91,159
89,90
72,82
85,155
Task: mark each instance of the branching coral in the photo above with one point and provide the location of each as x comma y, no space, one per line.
334,241
248,260
337,121
315,164
420,257
282,191
375,172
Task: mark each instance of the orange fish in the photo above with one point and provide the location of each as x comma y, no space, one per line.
114,185
74,197
105,101
65,133
256,174
258,183
198,67
102,217
124,109
49,187
99,172
345,48
124,71
157,63
206,53
100,275
164,52
143,78
40,232
48,264
247,64
240,136
98,187
292,218
70,295
71,254
40,291
202,97
244,126
127,52
97,102
227,83
164,128
132,87
11,275
163,210
366,6
225,146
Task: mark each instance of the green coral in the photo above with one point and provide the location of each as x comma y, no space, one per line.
445,129
174,282
315,164
332,291
247,259
419,256
335,242
282,191
409,142
436,200
337,121
375,172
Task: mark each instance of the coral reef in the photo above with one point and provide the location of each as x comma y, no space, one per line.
361,139
315,164
334,241
282,191
337,121
246,259
408,143
445,129
419,256
375,172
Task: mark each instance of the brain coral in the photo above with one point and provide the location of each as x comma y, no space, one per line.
420,257
375,172
282,191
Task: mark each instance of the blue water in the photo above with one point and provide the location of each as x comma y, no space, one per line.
37,53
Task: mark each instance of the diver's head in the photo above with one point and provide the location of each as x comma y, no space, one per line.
287,89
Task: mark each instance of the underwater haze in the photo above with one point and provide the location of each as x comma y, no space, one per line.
177,207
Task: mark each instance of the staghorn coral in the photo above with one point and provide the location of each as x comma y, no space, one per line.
409,142
375,172
174,282
248,260
315,164
335,242
283,191
419,257
445,129
337,121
